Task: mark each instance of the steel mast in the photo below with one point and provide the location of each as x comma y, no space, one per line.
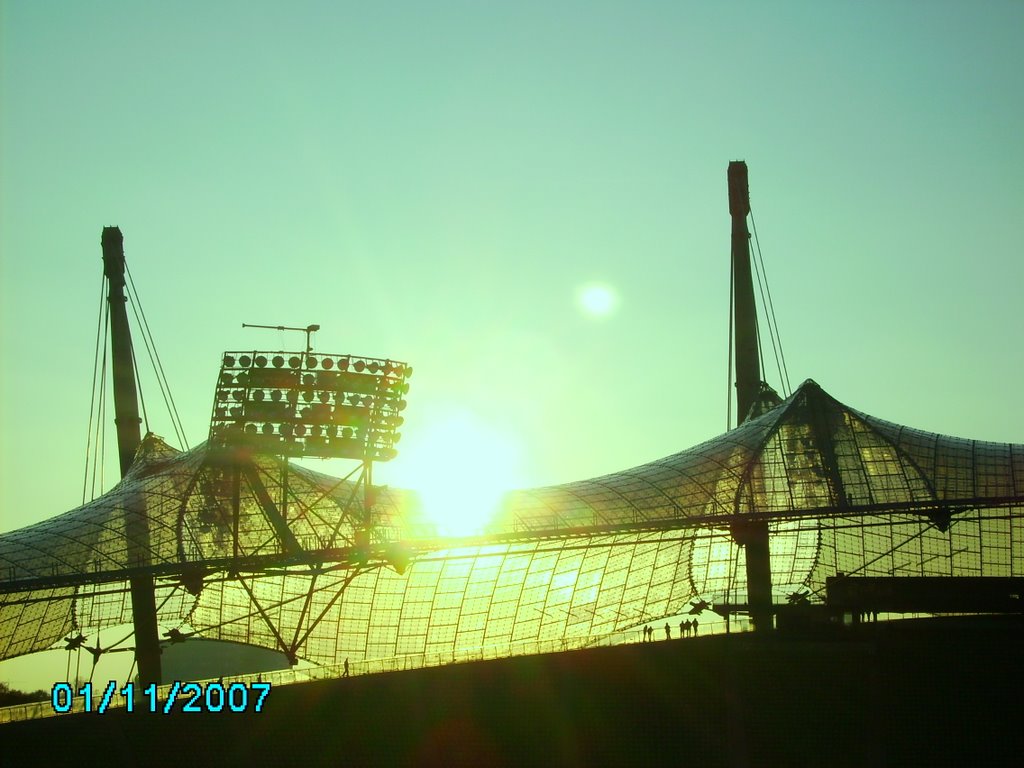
126,409
750,534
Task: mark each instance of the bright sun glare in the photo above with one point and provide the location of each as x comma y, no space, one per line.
597,300
460,467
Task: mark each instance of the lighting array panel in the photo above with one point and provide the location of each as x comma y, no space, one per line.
304,404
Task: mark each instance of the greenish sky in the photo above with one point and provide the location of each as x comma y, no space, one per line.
435,182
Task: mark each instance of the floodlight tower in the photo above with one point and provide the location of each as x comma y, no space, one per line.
750,534
126,408
282,405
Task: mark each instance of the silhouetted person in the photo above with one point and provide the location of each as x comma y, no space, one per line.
345,674
694,625
682,629
668,631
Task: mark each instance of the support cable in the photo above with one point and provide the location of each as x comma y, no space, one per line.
92,397
95,658
728,382
864,566
154,357
131,634
771,330
766,299
101,420
784,371
101,424
138,384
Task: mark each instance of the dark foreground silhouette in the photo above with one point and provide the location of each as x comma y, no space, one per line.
914,693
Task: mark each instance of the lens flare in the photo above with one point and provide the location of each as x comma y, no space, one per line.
460,467
597,299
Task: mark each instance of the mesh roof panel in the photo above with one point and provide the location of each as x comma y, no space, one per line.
842,491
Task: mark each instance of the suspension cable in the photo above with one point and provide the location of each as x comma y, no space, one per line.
99,440
154,357
770,312
95,373
138,384
771,307
95,445
784,371
771,330
728,383
760,353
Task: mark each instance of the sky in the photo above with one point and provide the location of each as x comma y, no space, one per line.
526,201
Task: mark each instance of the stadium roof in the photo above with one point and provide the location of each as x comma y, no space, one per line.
842,492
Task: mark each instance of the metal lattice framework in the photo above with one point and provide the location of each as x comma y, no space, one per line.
840,490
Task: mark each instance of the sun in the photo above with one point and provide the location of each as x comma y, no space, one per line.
460,467
597,299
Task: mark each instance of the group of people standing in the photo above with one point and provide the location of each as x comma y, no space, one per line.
687,627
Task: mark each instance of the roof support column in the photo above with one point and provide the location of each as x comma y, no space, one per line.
126,410
752,534
748,362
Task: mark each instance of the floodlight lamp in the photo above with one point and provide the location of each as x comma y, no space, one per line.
324,406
